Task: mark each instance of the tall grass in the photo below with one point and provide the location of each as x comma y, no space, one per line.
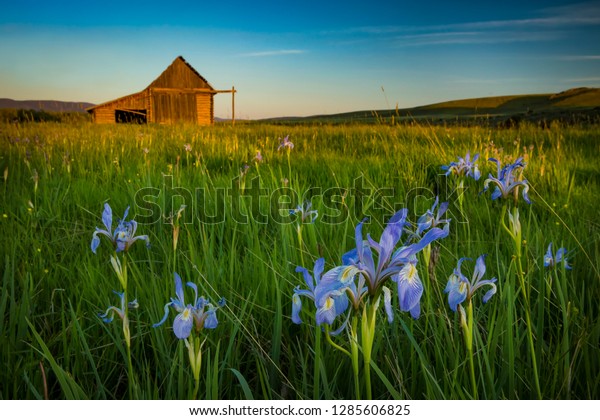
56,178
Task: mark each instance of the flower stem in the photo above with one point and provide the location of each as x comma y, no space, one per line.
516,236
317,368
460,189
354,357
469,345
334,345
300,243
131,382
503,223
196,387
126,329
529,326
289,166
367,338
194,348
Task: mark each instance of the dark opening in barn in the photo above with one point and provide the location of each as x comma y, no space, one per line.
131,116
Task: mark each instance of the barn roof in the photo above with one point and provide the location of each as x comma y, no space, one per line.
180,75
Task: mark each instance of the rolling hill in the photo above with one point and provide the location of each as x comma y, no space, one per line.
579,102
52,106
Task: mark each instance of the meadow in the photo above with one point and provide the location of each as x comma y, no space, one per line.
218,213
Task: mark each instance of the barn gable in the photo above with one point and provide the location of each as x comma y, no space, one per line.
180,75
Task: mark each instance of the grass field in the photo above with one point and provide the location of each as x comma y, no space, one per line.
537,337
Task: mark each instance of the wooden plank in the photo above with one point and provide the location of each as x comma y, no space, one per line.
204,111
181,90
171,108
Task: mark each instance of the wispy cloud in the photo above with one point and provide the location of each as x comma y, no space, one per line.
579,57
488,81
546,25
272,53
584,80
474,37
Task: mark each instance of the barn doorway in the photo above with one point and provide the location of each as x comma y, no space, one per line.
131,116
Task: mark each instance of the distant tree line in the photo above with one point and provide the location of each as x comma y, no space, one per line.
31,115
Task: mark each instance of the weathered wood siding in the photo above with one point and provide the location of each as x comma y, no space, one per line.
180,75
174,107
205,109
105,114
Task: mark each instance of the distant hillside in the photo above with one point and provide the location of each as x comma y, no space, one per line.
575,104
51,106
572,98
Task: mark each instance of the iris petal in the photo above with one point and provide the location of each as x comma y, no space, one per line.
548,260
415,311
410,288
182,326
326,313
95,242
296,308
350,257
109,315
359,239
308,279
387,304
457,294
318,269
390,236
496,194
407,254
479,269
525,196
211,322
561,257
179,288
107,217
443,208
340,300
165,316
490,292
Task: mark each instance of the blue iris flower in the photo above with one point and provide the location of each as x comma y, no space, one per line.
431,219
464,167
306,214
200,314
460,289
124,234
507,180
359,275
328,309
551,260
110,313
285,143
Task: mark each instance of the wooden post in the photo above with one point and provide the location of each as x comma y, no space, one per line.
232,105
232,91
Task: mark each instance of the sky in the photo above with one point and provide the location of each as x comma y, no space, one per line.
300,58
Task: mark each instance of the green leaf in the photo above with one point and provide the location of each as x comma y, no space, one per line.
71,388
243,383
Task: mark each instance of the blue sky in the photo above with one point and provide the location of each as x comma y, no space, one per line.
301,57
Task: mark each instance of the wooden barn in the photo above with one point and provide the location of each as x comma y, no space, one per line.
179,94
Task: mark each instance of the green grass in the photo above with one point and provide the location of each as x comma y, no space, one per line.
57,177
